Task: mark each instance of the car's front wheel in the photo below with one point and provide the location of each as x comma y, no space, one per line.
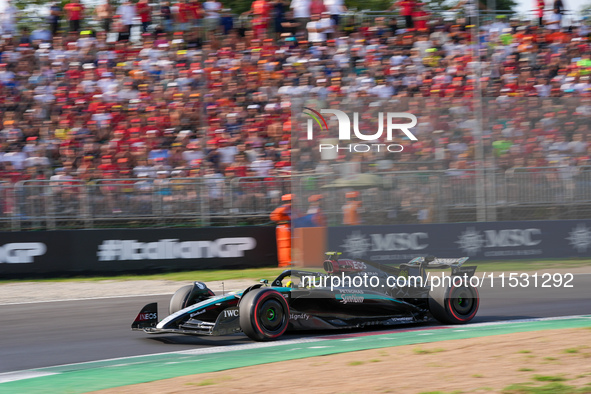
264,314
189,295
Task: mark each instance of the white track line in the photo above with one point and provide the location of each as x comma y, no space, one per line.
22,375
29,373
246,346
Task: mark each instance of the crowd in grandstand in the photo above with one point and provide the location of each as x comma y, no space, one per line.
188,90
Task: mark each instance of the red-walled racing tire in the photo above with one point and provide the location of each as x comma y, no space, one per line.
264,314
455,304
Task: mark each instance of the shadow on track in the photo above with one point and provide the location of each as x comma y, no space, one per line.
185,340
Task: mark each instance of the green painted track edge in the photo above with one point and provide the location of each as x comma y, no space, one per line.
86,377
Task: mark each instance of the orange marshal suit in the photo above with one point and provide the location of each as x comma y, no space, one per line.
282,216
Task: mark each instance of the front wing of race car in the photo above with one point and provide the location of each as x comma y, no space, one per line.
227,321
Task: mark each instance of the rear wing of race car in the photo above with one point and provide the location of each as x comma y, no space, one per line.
435,262
420,264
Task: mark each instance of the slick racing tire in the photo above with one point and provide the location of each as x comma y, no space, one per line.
180,299
264,314
189,295
455,304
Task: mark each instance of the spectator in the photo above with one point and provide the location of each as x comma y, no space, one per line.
227,21
316,31
301,12
227,152
261,166
261,10
127,13
197,12
335,8
556,15
279,10
143,188
144,11
55,13
92,102
214,182
104,14
289,25
25,37
419,16
240,165
8,17
405,7
578,146
540,12
317,7
471,11
162,183
166,15
182,14
211,17
75,13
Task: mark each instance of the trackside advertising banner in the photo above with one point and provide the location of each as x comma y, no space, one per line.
479,241
106,251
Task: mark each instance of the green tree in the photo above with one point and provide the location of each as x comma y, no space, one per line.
237,6
502,5
586,10
22,4
373,5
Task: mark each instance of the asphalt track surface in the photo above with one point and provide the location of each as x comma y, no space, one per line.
35,335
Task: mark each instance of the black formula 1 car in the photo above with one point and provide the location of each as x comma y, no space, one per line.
352,293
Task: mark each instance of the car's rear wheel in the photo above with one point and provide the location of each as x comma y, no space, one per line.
455,304
264,314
